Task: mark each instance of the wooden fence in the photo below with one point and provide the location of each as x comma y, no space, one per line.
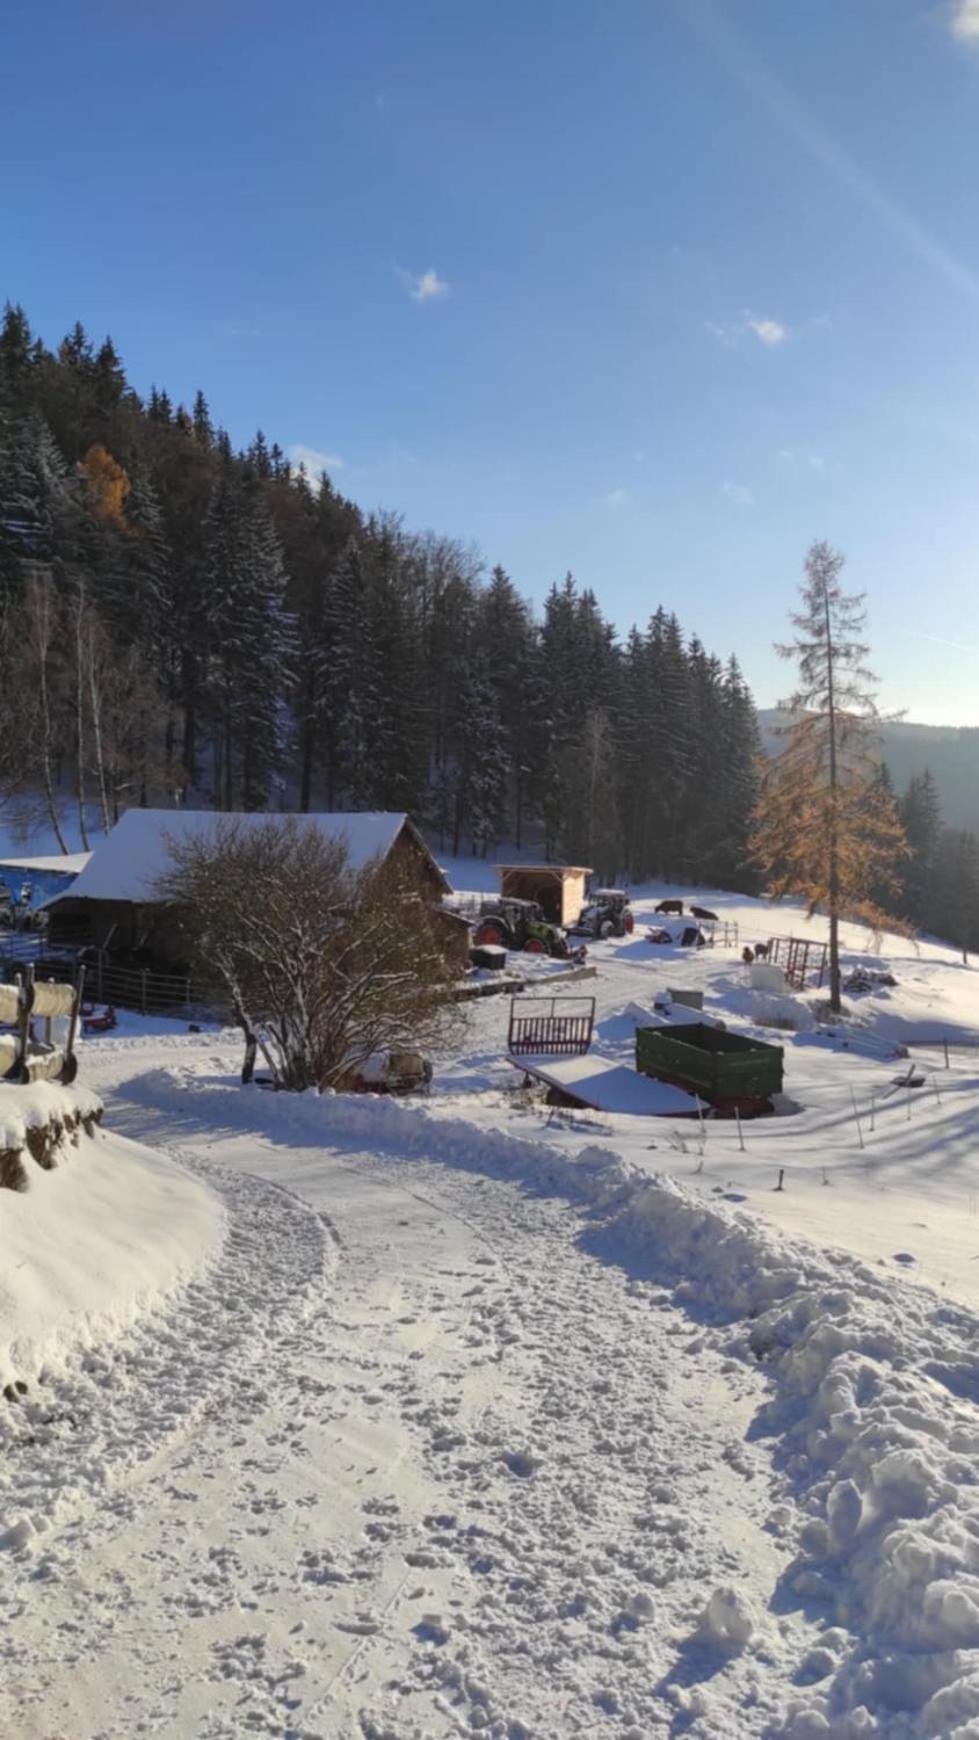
138,988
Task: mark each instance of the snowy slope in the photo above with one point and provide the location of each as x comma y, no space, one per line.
106,1235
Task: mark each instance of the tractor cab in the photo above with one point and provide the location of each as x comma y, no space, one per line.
608,913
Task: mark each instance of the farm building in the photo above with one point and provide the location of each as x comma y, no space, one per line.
26,883
559,889
115,906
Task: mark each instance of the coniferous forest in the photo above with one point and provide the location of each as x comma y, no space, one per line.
184,623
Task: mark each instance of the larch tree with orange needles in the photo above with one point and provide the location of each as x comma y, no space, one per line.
825,828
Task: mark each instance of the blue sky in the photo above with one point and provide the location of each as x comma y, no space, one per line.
652,290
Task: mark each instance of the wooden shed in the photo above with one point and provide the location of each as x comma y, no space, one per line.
559,889
115,905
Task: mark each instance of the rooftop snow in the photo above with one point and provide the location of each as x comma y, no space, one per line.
60,864
128,864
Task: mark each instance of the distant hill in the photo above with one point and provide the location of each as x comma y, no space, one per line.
952,753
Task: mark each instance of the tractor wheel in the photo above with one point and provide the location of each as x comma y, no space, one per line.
492,933
606,929
534,946
628,924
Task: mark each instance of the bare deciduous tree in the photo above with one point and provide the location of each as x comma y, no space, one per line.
329,965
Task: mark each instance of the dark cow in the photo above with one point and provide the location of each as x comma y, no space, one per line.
762,951
671,906
747,955
702,912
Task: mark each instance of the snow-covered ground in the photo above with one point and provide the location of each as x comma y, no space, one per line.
489,1419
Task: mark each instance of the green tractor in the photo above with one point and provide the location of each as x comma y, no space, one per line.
519,924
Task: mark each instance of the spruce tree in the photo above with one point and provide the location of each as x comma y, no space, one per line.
921,817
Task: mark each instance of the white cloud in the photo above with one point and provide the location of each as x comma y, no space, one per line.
770,332
738,493
423,286
815,461
616,498
313,458
730,333
965,20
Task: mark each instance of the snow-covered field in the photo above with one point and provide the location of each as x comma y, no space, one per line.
475,1417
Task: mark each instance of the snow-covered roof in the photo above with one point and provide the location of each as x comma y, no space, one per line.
128,864
550,869
61,864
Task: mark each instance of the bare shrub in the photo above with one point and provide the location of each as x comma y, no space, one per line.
328,964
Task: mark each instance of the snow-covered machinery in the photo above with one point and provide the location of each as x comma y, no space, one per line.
608,913
393,1072
520,924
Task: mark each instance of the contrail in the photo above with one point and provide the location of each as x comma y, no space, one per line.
939,639
751,72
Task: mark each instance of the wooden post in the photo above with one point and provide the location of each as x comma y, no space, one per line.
737,1114
856,1114
21,1071
781,1178
946,1054
69,1068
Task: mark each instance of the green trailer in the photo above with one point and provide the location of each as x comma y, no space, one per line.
731,1072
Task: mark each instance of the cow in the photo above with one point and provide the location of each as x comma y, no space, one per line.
671,906
762,951
747,955
702,912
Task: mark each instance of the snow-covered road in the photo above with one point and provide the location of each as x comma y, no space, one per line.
489,1419
410,1462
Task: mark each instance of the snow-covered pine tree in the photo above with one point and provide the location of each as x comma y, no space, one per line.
250,642
480,781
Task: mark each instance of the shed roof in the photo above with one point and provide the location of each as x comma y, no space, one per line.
59,863
127,865
552,869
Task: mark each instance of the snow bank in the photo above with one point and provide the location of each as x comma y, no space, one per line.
873,1418
44,1106
92,1243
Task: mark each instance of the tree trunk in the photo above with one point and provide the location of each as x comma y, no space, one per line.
39,600
306,765
229,786
835,1000
80,716
95,702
